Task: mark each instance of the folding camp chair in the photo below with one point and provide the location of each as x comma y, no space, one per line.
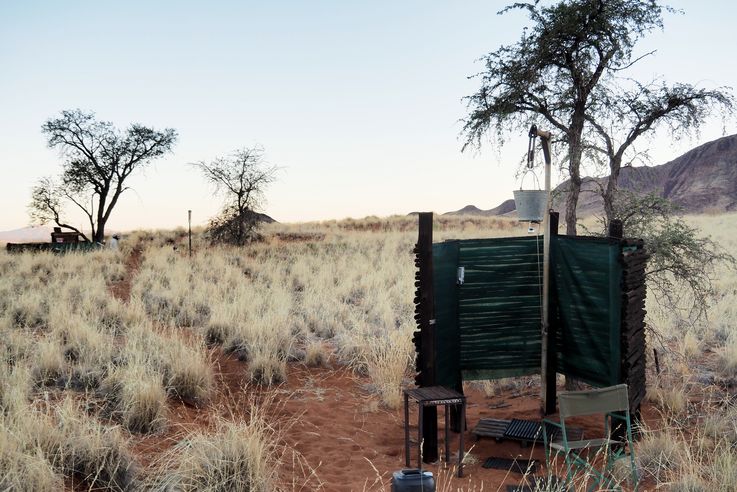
614,404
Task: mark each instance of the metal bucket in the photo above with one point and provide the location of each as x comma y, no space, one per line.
531,204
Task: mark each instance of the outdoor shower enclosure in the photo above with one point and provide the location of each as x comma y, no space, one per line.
486,322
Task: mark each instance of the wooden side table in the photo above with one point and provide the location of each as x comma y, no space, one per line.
433,396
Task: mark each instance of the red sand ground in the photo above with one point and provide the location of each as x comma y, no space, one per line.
347,440
345,437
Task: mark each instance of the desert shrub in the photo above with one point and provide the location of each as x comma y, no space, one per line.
720,425
84,377
689,460
80,341
683,262
169,291
232,227
114,317
691,345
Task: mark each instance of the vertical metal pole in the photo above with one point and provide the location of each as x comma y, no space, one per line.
546,283
420,423
406,429
189,214
461,451
447,443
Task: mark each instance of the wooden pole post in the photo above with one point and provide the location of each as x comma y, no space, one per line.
618,430
551,368
189,214
426,300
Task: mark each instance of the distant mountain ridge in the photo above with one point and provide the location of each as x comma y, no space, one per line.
33,234
704,179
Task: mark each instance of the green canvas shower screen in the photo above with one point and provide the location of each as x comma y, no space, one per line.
489,325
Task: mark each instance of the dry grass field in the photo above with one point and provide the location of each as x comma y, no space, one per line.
280,366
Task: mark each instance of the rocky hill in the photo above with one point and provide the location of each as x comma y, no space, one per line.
703,179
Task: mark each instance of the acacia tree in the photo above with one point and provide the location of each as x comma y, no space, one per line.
99,159
630,113
241,178
566,69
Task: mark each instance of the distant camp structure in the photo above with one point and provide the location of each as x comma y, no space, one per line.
61,242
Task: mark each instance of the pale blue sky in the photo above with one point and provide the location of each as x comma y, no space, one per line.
358,102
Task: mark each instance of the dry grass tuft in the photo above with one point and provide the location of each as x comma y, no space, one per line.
315,354
658,454
726,362
387,362
49,365
672,400
267,369
689,483
15,389
240,455
189,375
136,398
79,446
23,467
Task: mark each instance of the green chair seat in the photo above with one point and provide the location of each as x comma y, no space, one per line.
584,444
613,403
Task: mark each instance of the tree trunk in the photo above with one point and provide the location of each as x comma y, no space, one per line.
615,166
99,236
574,170
103,214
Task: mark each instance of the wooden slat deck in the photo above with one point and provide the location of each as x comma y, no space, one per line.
497,429
493,428
435,395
